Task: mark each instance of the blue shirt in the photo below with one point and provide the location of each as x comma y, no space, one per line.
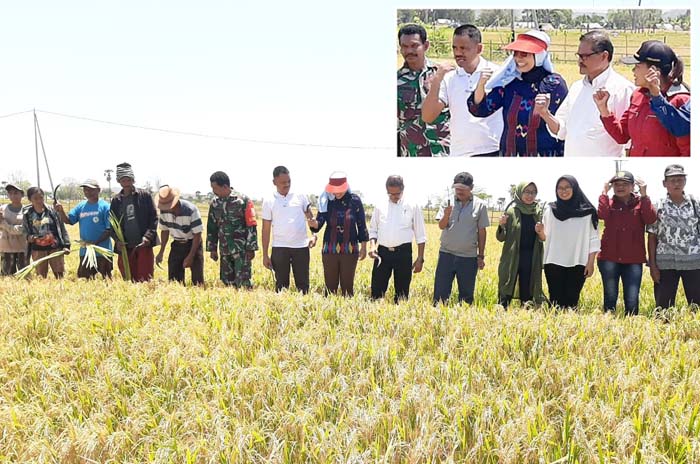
675,120
93,219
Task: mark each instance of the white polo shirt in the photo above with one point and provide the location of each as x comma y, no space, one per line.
469,135
579,118
288,219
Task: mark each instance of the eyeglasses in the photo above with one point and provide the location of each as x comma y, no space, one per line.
530,192
585,56
564,189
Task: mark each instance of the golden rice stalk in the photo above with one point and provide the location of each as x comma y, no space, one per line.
25,271
117,228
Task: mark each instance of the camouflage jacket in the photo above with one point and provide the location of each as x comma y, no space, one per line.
231,225
677,231
416,137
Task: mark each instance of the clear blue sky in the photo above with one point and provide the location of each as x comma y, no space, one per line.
307,72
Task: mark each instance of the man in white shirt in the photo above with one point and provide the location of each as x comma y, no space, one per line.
392,229
286,214
577,120
451,87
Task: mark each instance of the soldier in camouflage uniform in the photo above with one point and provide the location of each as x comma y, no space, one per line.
674,242
415,136
231,225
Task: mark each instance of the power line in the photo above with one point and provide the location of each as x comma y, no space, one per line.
209,136
15,114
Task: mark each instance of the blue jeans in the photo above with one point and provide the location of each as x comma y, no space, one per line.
450,266
631,275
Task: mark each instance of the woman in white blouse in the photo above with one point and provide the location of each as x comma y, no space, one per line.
571,242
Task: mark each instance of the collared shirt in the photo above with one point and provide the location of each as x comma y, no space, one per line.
415,136
623,236
677,233
185,224
394,224
469,135
461,237
579,118
288,216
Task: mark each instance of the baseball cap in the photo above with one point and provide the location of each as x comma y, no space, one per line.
653,52
463,179
90,183
674,170
623,175
9,187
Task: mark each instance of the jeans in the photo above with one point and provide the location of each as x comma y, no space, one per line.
450,266
631,275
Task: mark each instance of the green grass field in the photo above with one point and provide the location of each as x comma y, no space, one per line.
158,372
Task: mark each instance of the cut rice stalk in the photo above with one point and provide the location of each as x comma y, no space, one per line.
25,271
117,228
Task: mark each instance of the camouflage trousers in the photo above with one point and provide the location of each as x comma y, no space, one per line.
236,270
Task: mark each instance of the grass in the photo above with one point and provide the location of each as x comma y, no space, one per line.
157,372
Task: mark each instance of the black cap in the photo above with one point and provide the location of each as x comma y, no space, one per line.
623,175
652,52
463,179
674,170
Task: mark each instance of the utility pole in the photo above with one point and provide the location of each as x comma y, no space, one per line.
108,176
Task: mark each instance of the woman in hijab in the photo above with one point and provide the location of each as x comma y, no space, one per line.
526,73
658,72
522,232
571,242
46,234
345,238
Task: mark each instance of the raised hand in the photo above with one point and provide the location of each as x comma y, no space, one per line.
601,97
542,103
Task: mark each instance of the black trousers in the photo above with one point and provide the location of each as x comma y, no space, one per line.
524,278
565,284
298,258
176,259
665,290
400,262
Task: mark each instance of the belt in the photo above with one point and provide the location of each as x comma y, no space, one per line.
403,246
182,242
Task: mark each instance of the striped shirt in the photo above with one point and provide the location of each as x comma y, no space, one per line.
183,226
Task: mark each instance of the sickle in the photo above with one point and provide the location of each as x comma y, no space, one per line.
55,191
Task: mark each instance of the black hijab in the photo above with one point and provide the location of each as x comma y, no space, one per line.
576,206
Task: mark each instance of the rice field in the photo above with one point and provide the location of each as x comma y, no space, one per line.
116,372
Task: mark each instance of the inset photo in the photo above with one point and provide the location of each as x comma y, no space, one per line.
543,83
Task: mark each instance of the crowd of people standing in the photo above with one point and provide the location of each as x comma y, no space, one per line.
559,240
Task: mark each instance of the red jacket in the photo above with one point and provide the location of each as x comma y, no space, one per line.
623,236
640,124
